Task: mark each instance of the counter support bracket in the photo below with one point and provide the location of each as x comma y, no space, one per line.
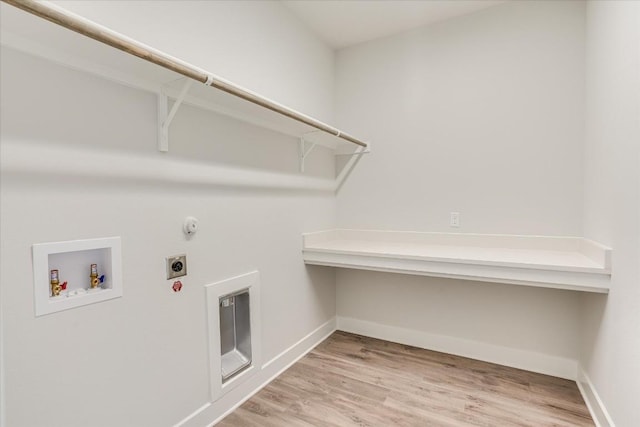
165,117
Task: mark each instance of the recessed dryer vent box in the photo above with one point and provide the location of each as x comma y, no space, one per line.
73,261
233,308
235,333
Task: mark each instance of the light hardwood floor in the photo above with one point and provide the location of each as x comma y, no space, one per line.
350,380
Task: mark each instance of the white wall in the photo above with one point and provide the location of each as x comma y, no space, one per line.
142,360
520,317
257,44
482,115
611,342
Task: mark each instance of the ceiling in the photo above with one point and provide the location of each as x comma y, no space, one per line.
342,23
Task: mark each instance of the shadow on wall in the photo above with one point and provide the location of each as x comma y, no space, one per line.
199,135
319,278
519,317
593,309
88,114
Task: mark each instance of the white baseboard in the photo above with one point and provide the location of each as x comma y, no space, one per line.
211,413
597,409
521,359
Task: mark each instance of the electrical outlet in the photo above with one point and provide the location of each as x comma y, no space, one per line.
454,220
176,266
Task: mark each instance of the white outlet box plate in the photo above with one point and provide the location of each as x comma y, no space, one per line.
176,266
454,220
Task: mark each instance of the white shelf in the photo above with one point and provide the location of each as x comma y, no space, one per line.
571,263
29,33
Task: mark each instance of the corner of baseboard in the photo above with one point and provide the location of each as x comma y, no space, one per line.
591,398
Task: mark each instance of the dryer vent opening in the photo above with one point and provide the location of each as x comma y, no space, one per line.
233,317
235,333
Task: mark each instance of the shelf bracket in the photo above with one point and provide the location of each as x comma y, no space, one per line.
350,165
165,117
359,151
304,151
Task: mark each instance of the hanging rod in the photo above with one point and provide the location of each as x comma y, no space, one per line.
104,35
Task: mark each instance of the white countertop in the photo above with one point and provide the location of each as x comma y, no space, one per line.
545,261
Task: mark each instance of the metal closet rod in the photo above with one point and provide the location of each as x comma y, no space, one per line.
125,44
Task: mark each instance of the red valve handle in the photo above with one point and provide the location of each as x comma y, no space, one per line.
177,286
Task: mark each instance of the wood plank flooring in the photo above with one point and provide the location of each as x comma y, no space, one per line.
350,380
